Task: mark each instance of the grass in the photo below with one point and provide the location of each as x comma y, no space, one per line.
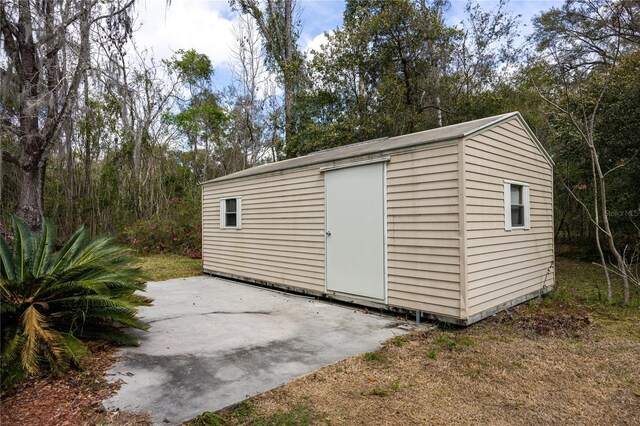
567,358
373,356
297,415
160,267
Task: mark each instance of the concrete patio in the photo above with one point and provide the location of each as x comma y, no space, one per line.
213,343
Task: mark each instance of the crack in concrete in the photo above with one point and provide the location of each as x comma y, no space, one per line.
210,313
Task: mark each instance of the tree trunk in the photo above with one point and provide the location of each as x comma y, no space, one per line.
597,220
31,199
438,67
206,159
1,179
137,151
69,158
87,139
195,158
607,229
288,71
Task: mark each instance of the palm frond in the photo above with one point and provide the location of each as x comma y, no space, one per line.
68,288
23,249
12,341
6,308
8,297
118,315
140,300
44,244
6,261
90,301
74,347
12,374
69,250
99,249
50,301
33,324
118,337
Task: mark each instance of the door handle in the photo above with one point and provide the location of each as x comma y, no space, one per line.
328,233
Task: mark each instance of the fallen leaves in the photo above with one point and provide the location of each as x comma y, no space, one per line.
74,399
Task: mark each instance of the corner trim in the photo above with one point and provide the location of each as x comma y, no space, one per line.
462,229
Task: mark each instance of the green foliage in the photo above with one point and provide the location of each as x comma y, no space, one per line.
582,285
208,418
201,118
466,341
160,267
51,299
588,70
390,68
195,68
397,67
374,74
373,356
179,232
445,342
379,392
297,415
398,341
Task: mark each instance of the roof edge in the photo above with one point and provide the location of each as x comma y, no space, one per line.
501,118
315,163
230,176
525,126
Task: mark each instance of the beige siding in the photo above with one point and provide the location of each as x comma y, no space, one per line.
282,235
429,265
503,265
423,236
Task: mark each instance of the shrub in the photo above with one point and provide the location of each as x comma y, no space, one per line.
50,300
179,232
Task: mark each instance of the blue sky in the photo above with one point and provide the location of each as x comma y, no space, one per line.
206,25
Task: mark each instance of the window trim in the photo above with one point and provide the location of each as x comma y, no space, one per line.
223,213
507,206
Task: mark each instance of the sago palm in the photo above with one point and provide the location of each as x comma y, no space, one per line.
50,300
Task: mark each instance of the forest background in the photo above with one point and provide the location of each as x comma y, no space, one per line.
95,130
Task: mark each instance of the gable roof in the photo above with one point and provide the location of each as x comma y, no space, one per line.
381,145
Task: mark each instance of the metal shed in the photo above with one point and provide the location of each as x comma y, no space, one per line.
455,223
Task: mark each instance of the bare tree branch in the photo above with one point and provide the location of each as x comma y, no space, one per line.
9,157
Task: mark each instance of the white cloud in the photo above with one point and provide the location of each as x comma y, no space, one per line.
207,26
203,25
314,44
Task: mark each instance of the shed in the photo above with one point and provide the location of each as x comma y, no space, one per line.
454,223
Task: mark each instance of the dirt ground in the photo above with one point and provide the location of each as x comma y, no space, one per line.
75,399
528,369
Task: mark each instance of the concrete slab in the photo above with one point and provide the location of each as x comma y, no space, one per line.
213,343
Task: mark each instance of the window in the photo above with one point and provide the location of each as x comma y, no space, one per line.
230,213
516,205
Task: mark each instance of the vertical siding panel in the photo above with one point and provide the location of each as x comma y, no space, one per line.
505,264
423,257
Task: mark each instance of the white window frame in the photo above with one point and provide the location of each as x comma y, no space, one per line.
223,213
507,206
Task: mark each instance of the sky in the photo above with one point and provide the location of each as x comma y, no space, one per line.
207,25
